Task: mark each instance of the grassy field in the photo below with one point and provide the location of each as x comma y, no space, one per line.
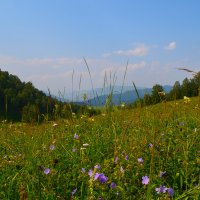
142,153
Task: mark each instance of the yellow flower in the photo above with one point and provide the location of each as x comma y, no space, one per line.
186,99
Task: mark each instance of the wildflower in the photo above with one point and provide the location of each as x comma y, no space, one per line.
162,174
140,160
116,160
145,180
102,178
121,169
83,170
86,145
126,157
74,191
113,185
186,99
150,145
73,149
170,192
55,124
47,171
90,173
96,176
76,136
97,167
52,147
161,189
123,105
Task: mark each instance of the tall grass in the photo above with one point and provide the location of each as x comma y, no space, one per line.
115,142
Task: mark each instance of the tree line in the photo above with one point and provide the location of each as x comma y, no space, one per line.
22,101
189,88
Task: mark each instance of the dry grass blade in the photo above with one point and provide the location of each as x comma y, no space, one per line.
90,76
187,70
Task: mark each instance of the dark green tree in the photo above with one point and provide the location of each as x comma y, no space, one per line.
157,90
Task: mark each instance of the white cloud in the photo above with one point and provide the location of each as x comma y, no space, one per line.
171,46
140,50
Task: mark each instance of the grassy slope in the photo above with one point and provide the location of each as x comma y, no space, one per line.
173,128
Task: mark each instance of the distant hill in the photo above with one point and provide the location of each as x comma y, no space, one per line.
128,96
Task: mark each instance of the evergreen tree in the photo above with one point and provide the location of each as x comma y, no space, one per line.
156,90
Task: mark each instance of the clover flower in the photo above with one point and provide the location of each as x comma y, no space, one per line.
145,180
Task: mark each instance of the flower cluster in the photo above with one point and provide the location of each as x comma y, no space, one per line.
163,189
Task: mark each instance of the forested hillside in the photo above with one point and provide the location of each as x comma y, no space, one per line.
22,101
18,98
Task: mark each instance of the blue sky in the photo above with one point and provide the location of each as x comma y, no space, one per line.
44,41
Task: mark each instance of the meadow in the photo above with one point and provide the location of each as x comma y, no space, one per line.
151,152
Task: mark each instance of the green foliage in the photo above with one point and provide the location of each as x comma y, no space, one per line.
166,137
22,101
156,98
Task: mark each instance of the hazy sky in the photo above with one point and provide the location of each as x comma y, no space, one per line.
43,41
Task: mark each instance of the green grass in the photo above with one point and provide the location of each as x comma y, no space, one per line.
173,128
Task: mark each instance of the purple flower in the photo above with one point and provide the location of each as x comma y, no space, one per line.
90,173
161,189
140,160
47,171
97,167
170,192
145,180
74,191
126,157
96,176
116,160
83,170
102,178
150,145
162,174
113,185
52,147
76,136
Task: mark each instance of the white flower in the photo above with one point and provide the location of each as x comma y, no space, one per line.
86,145
55,124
